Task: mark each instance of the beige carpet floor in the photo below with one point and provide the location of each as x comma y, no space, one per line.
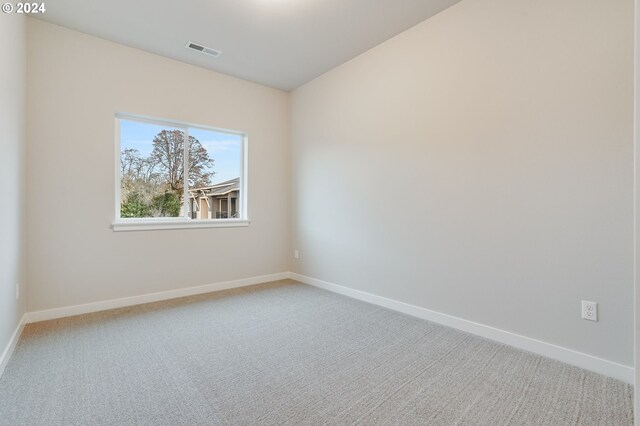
287,353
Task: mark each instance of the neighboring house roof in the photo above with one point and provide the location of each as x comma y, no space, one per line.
221,188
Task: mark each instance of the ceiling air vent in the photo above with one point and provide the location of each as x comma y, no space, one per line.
203,49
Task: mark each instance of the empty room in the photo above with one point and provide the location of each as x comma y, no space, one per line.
319,212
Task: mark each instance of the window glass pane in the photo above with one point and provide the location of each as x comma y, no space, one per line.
151,170
214,174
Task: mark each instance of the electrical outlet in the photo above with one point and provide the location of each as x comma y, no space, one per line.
296,254
589,310
17,291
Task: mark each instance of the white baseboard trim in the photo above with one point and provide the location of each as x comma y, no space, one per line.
8,351
69,311
569,356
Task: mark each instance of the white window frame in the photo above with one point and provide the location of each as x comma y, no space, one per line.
183,222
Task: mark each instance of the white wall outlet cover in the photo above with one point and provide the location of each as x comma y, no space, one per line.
589,310
296,254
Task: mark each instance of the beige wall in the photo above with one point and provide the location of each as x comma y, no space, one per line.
76,85
637,212
12,142
499,132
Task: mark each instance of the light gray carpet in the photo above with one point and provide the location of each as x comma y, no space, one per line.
287,353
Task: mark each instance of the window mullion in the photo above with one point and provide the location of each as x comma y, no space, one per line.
185,174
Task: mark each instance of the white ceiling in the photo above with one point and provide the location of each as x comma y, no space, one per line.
278,43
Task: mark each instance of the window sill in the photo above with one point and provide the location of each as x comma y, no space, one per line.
155,225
